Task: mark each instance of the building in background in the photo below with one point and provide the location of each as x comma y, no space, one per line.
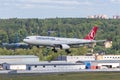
18,58
108,44
116,17
100,16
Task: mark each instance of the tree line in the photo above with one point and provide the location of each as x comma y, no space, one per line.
15,30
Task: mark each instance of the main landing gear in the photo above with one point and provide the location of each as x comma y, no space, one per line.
54,50
66,50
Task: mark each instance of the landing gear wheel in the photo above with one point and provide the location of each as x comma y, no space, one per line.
68,51
54,50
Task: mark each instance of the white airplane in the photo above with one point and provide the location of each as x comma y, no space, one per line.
62,43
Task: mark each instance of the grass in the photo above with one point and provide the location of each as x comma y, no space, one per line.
65,76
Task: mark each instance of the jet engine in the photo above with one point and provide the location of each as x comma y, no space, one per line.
64,46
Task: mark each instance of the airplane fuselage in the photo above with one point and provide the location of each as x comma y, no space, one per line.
51,41
60,42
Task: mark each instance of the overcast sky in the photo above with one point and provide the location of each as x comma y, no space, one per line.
57,8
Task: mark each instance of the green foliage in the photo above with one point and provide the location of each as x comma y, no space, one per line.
79,51
13,30
3,36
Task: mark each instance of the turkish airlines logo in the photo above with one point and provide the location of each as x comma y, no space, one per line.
92,34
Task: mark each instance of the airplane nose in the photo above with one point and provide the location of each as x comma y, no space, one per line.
24,40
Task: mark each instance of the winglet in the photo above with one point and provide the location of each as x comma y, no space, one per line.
92,34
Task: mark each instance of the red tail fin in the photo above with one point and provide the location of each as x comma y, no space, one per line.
92,33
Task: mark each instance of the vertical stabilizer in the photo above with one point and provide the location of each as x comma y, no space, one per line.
92,34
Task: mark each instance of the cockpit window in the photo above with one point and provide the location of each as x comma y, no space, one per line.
27,38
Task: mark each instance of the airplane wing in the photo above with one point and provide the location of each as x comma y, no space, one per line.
100,40
68,45
86,42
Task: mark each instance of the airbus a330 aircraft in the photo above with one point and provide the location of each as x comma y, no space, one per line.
62,43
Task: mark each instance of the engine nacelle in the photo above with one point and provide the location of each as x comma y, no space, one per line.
64,46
